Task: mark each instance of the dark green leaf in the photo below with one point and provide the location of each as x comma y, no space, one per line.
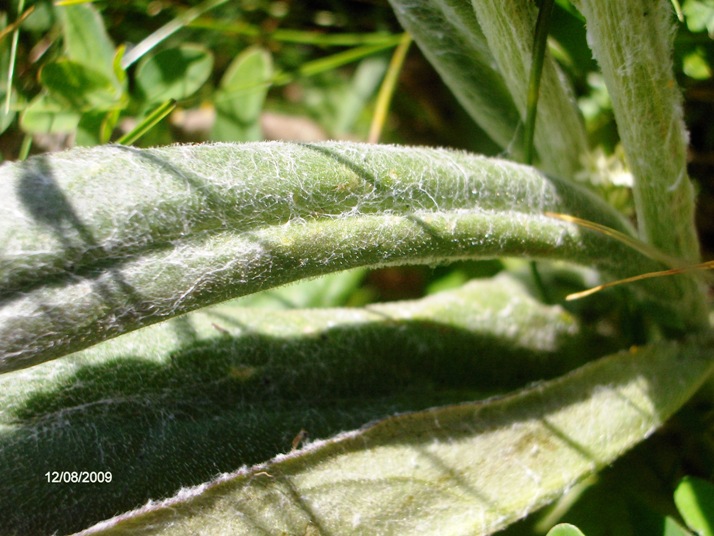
175,73
78,86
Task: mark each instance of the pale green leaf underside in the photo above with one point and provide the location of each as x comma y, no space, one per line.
97,242
467,469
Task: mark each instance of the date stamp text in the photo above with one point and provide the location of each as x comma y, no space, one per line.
78,477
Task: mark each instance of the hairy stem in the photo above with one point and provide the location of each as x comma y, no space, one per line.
632,43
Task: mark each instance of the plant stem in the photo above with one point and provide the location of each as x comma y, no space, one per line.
13,58
539,43
509,29
632,42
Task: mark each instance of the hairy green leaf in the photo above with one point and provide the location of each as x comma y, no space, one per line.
450,37
468,469
509,28
97,242
174,404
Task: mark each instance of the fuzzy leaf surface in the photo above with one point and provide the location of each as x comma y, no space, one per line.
450,37
97,242
509,29
174,404
467,469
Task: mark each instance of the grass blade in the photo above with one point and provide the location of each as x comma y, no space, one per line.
13,53
160,35
386,91
539,45
148,122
